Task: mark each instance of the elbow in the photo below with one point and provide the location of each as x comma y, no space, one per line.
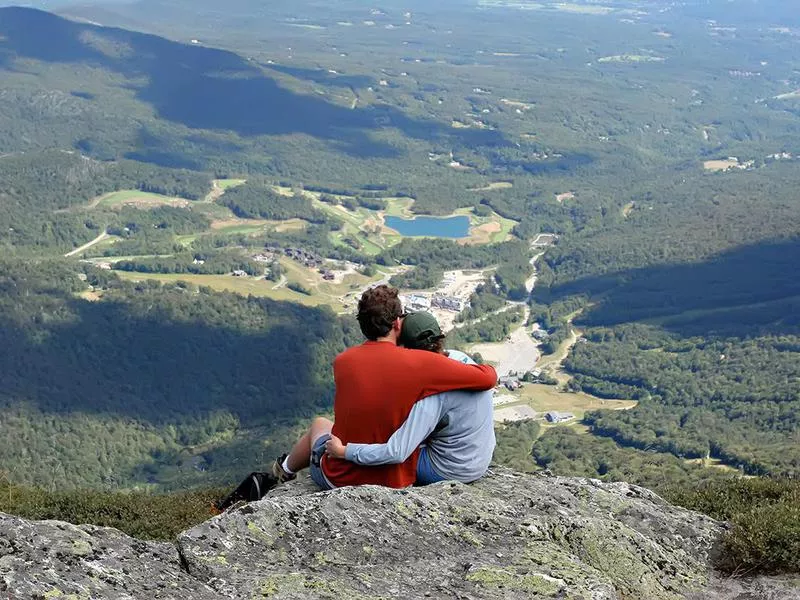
490,377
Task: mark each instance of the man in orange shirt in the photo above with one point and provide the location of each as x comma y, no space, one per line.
377,384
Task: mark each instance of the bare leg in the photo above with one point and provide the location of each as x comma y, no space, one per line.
300,456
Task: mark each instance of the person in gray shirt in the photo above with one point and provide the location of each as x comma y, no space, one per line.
457,428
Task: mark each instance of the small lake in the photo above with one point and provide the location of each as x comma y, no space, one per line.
444,227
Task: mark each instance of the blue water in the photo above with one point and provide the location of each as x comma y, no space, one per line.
448,227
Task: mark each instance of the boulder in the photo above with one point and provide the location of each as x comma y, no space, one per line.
51,559
510,535
507,536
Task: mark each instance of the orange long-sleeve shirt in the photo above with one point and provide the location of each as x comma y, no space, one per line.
377,384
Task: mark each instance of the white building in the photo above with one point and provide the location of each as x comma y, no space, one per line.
416,302
558,417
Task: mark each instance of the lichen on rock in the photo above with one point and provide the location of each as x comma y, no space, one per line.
509,535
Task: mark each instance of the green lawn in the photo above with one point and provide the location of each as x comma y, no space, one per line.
323,292
227,184
246,286
546,398
121,197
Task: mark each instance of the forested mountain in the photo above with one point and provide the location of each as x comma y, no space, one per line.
108,392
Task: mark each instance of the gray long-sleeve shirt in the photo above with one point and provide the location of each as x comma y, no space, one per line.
461,450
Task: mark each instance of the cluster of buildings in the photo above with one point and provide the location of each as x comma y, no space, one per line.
453,303
415,302
301,255
510,382
304,257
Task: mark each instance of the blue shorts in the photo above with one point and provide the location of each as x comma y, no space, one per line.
426,474
317,452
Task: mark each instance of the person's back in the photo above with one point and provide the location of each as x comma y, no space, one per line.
377,384
462,449
457,427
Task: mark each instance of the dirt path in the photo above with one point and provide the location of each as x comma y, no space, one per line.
215,193
531,281
281,283
553,364
87,245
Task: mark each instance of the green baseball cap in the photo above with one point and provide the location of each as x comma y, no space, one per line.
419,328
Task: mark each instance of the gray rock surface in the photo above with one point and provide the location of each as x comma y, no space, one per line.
51,559
507,536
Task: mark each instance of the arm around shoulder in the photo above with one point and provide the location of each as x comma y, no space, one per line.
444,375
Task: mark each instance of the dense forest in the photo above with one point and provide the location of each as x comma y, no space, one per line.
42,192
160,369
260,201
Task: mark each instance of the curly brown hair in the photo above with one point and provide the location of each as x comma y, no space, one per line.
377,311
437,346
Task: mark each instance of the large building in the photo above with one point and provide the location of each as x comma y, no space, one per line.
415,302
558,417
450,303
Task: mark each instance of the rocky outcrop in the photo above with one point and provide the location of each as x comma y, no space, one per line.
51,559
507,536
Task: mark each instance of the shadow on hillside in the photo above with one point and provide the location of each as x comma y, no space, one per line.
751,290
324,77
134,360
207,88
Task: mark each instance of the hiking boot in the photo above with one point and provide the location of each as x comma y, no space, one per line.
254,487
281,475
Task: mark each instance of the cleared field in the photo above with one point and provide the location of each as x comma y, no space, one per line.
484,234
338,294
516,104
712,463
565,196
724,164
495,185
486,230
226,184
215,212
630,58
628,209
514,413
137,199
246,286
236,225
546,398
331,290
230,225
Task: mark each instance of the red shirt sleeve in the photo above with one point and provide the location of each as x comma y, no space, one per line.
436,373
